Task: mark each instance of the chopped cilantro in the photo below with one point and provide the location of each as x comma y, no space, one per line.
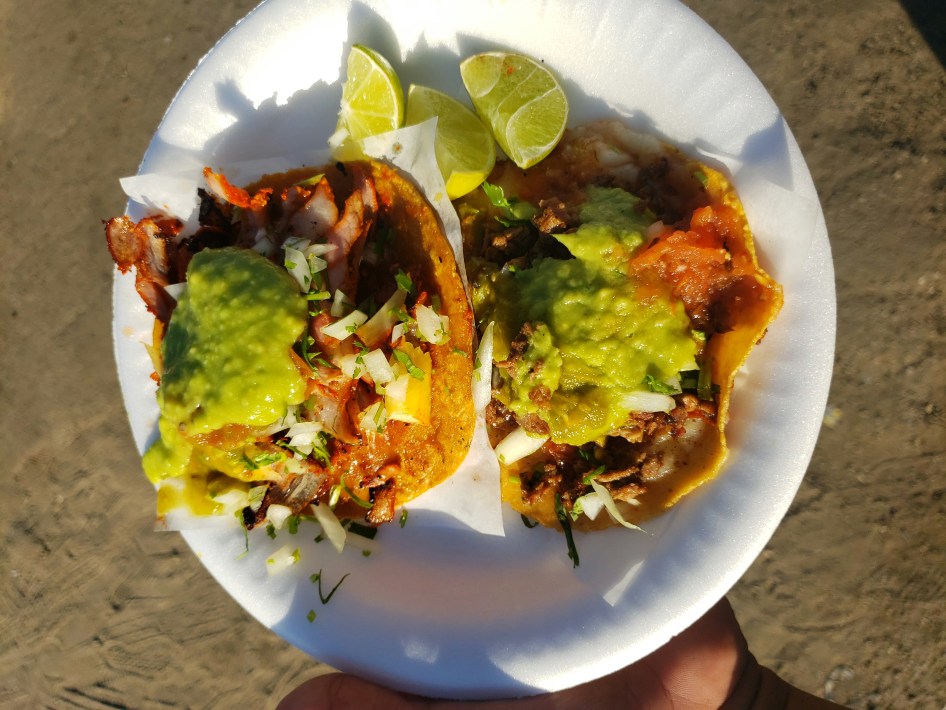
246,535
402,521
334,494
317,579
311,615
577,509
655,385
267,458
514,211
588,477
404,282
566,523
312,181
363,503
704,383
271,530
412,369
365,531
255,497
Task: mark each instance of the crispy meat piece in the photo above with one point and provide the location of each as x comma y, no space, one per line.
511,243
554,217
211,214
537,482
350,233
150,246
296,493
383,497
627,465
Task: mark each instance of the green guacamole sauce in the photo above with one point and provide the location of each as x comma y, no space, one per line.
226,354
595,338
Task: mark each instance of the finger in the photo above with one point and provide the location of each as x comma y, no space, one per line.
344,692
703,664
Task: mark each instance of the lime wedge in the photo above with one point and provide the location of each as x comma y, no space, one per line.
520,100
372,98
464,147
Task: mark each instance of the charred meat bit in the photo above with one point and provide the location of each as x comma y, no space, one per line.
511,243
554,217
383,497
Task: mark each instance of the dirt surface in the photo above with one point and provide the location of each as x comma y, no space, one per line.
98,611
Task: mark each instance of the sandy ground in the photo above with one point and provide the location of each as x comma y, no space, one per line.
97,611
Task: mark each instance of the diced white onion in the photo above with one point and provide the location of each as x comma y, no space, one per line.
278,514
344,327
297,265
316,263
350,366
396,390
176,290
294,465
254,497
373,332
397,332
483,374
374,418
430,326
591,504
282,559
284,422
319,249
232,500
302,436
340,304
297,243
360,542
262,244
654,230
517,445
605,495
643,401
330,526
379,369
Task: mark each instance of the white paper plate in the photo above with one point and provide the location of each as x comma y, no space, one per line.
452,612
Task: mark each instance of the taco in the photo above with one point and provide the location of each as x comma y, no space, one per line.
312,346
622,282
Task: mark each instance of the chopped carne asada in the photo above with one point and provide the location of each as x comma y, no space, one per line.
622,283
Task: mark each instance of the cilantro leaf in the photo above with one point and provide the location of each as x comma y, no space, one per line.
412,369
514,211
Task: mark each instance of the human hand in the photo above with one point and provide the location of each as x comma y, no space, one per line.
704,667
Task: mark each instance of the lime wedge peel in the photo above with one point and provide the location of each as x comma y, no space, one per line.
521,101
464,146
372,101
